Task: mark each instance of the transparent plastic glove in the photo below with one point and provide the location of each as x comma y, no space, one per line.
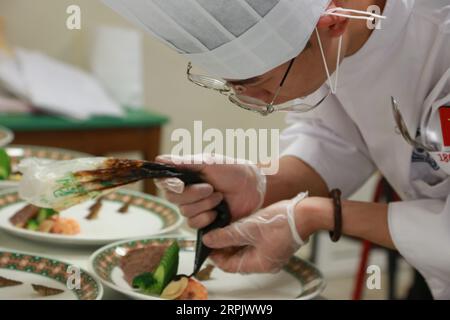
241,184
261,243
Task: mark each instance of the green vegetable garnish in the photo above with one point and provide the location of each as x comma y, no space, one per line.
5,165
154,283
144,280
45,214
33,225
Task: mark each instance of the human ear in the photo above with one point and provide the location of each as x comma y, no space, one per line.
334,25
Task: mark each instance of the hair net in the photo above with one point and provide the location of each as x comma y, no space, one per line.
231,39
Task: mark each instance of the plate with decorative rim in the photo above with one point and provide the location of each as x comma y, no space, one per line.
18,152
299,279
29,269
145,216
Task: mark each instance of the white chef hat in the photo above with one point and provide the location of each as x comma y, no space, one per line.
230,39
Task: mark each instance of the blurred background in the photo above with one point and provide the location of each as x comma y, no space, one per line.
155,78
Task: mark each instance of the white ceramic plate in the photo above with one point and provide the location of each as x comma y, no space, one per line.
31,269
298,280
19,152
147,216
6,136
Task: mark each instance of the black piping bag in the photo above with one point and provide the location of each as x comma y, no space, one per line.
223,218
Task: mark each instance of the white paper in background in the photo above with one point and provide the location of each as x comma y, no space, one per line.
9,104
11,77
64,89
117,61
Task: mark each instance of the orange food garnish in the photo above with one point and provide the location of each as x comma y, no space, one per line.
65,226
194,291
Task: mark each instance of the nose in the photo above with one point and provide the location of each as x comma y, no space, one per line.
239,89
255,93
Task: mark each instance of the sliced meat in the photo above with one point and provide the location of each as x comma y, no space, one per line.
141,260
22,216
94,210
46,291
4,282
125,207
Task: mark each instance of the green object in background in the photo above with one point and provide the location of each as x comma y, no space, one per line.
134,118
5,165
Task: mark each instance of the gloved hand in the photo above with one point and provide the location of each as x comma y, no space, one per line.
242,185
261,243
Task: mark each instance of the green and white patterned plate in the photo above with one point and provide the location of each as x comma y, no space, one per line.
147,216
19,152
31,269
298,280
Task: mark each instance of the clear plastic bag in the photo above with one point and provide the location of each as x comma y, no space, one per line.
57,184
62,184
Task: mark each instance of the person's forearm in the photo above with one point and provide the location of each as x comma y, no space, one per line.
294,176
367,221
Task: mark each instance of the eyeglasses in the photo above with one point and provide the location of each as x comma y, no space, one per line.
249,103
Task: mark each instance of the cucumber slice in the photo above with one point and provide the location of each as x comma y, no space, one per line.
169,263
5,165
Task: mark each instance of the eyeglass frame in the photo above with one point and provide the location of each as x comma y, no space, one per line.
269,108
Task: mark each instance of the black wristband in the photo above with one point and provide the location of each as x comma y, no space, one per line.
336,234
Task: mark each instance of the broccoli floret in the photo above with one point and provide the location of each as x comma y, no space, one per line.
33,225
145,281
45,214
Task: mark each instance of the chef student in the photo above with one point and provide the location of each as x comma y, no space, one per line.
345,73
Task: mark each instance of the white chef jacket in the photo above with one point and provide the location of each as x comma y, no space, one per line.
353,133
